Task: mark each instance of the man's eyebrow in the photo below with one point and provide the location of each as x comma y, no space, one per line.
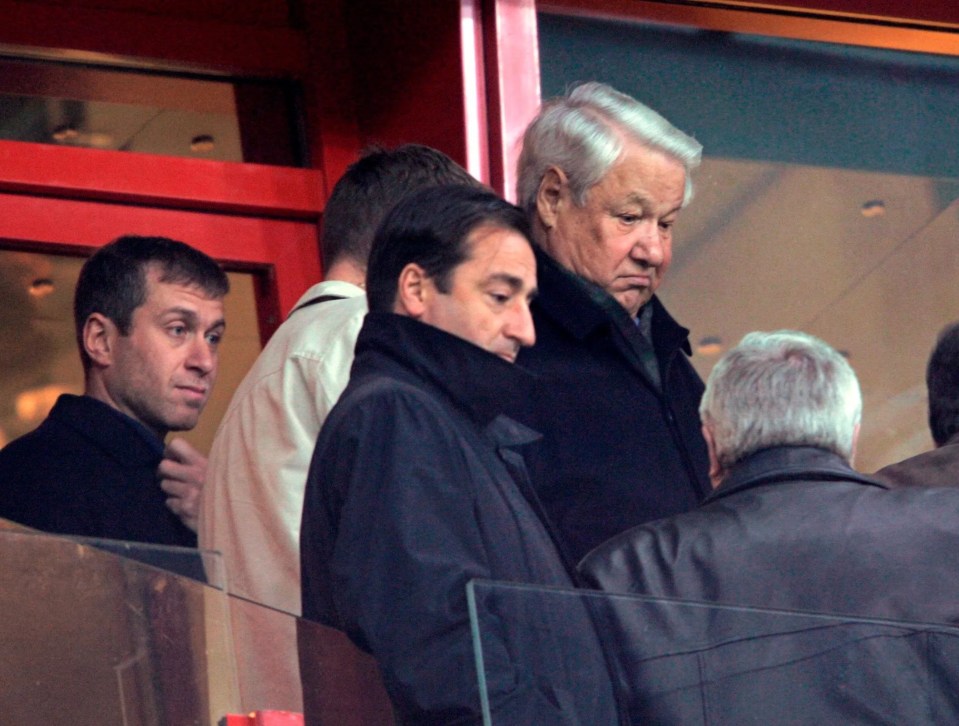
644,201
513,281
191,316
180,312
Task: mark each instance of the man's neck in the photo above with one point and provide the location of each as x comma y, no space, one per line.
347,271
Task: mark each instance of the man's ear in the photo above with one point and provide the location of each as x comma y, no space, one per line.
413,289
855,445
715,470
553,187
99,339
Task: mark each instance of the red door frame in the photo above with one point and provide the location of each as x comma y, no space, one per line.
250,217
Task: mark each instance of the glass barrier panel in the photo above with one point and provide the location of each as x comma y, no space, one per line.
104,632
91,637
678,662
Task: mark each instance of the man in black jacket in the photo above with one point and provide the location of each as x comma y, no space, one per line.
603,179
149,318
939,467
791,526
417,484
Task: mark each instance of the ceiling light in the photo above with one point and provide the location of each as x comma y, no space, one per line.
873,208
99,140
64,133
202,144
41,287
710,345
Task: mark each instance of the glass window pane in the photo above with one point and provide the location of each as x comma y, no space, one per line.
238,120
826,200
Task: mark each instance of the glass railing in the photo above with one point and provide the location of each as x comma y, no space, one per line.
687,663
102,632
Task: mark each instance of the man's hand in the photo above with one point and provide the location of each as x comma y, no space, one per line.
182,474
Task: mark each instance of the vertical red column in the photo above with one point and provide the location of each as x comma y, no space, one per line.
511,48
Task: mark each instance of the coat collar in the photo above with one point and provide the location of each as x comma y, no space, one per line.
123,438
582,307
474,379
788,463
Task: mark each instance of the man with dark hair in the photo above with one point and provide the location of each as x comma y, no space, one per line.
253,499
416,486
149,319
603,179
939,467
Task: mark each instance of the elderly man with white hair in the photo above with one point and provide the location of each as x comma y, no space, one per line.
790,524
603,179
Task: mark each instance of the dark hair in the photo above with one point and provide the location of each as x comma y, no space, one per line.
942,382
371,187
113,281
431,228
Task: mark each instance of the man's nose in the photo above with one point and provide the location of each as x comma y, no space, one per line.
203,356
649,245
521,326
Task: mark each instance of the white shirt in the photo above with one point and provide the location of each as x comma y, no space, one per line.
253,498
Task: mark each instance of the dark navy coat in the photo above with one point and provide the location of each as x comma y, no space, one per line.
91,471
417,487
617,451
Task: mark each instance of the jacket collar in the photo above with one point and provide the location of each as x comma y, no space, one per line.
581,307
474,379
121,437
788,463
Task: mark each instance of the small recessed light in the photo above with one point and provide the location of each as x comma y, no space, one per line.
41,287
64,133
202,144
873,208
99,140
710,345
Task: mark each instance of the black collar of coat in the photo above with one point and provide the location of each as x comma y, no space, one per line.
123,438
581,307
474,379
788,463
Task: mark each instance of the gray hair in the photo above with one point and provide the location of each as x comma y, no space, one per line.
784,388
583,134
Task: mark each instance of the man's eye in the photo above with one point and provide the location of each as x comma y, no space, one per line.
629,218
499,298
214,338
177,330
666,225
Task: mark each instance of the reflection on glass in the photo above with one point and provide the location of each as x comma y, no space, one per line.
93,634
683,663
90,637
149,112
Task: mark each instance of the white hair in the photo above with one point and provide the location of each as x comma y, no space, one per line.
583,134
783,388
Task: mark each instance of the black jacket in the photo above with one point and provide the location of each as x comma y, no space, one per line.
617,450
792,528
796,528
415,488
91,471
